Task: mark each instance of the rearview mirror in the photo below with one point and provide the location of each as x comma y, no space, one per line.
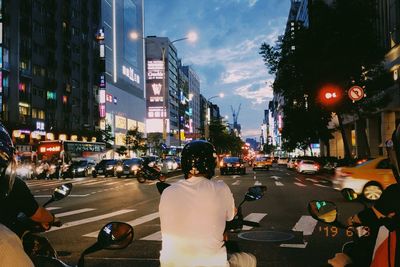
349,194
62,191
115,235
324,211
255,193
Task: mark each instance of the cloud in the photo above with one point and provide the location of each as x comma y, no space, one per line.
251,132
258,92
252,3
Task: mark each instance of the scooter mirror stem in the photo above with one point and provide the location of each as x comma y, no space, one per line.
93,248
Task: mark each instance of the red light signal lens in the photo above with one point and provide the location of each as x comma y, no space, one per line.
330,94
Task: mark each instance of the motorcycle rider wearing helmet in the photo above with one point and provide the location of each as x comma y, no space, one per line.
194,211
15,198
385,211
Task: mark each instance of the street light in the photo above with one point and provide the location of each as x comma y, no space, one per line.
207,120
191,37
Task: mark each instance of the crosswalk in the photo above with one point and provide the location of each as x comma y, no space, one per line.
305,224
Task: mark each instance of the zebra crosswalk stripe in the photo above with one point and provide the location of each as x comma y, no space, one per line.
73,212
91,219
253,217
133,223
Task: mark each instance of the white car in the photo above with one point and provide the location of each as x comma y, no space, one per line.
282,161
307,166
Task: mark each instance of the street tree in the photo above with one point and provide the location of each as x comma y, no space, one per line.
135,141
106,136
343,53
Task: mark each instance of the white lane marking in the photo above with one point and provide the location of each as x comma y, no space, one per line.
300,184
306,224
134,223
278,183
153,237
89,220
288,173
297,179
111,183
257,183
53,208
275,177
312,180
237,182
294,245
130,183
85,195
235,176
320,185
73,212
253,217
93,183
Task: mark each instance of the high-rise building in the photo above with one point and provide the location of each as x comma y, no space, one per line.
162,90
123,70
67,65
194,102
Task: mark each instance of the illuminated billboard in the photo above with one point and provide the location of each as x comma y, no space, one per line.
155,91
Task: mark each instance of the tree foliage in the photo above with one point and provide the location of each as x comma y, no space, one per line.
339,47
223,140
135,141
106,136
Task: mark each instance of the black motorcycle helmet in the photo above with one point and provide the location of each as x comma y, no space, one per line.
199,157
7,163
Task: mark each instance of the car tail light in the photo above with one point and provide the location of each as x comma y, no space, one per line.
316,166
237,164
344,173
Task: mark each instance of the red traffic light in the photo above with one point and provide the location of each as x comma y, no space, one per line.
330,94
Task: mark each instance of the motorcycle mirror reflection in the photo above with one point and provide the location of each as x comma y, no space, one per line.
115,235
255,193
62,191
324,211
349,194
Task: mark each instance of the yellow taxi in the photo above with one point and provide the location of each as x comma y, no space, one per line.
369,178
262,162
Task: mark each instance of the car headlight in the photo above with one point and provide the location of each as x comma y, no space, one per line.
80,169
109,167
119,168
135,168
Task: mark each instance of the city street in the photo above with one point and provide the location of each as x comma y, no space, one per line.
95,201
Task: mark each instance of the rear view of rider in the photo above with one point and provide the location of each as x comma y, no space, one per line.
194,211
15,198
385,213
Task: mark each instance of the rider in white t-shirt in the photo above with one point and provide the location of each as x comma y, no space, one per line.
193,212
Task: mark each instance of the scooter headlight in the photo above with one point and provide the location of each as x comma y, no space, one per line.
135,168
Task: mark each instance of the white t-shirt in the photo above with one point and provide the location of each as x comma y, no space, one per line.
11,250
193,213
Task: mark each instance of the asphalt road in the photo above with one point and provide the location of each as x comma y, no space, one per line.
292,237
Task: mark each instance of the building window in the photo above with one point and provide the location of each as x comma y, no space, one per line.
41,114
51,95
34,113
23,110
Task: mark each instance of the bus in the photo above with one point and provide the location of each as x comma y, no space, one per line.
66,151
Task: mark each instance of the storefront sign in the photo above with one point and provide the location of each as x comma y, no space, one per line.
130,73
155,70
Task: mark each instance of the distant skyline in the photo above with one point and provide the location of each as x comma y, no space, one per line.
226,54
